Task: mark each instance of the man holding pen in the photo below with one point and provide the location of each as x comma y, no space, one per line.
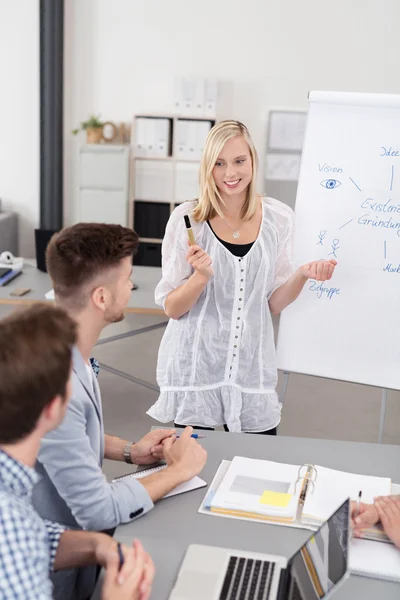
91,266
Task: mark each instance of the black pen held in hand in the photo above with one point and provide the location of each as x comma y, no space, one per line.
121,556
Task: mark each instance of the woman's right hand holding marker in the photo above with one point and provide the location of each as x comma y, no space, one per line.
200,261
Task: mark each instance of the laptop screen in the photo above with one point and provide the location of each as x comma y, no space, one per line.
322,561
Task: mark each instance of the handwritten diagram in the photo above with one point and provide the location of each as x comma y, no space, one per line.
383,214
335,246
371,217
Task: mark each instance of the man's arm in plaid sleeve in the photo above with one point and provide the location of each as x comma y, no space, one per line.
23,561
54,532
81,548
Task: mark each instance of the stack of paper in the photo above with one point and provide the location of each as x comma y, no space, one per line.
258,488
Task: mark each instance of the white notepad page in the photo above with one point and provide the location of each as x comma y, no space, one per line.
248,480
333,487
375,559
193,484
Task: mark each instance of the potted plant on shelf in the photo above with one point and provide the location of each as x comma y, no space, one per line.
94,129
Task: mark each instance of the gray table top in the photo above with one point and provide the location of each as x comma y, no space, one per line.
142,299
175,522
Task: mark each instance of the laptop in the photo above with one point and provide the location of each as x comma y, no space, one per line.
313,572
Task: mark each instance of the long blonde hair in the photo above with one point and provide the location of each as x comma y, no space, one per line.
210,200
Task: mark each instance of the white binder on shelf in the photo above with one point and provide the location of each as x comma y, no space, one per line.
178,96
140,147
203,127
196,97
181,149
151,137
190,138
188,87
162,138
211,98
199,97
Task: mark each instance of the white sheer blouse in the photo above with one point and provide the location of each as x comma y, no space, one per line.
217,363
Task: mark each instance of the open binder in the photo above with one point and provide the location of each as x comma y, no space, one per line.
301,496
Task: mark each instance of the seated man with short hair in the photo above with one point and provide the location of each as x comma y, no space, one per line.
35,366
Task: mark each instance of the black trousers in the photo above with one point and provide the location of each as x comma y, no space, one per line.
273,431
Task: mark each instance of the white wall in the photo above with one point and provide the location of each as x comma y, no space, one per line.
19,115
267,53
121,57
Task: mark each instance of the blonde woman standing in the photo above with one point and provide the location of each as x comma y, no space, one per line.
216,362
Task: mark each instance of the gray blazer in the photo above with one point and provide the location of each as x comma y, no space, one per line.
72,489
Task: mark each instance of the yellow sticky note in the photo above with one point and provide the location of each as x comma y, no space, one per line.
275,498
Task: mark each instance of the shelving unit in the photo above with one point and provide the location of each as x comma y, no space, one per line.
102,192
159,183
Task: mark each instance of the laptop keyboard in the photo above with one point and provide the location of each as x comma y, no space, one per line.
247,579
295,593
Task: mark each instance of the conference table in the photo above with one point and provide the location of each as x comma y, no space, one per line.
174,523
141,300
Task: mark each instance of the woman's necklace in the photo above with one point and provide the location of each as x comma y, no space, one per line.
235,233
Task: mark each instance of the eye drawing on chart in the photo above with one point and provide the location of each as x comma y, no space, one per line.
321,237
335,246
330,184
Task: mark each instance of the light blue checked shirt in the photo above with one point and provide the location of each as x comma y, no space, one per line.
28,544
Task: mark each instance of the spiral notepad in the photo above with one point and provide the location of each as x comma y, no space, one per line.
193,484
140,474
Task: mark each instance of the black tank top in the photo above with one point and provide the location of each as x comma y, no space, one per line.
239,250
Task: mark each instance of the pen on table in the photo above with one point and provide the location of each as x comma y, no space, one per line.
190,233
196,436
121,556
359,503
